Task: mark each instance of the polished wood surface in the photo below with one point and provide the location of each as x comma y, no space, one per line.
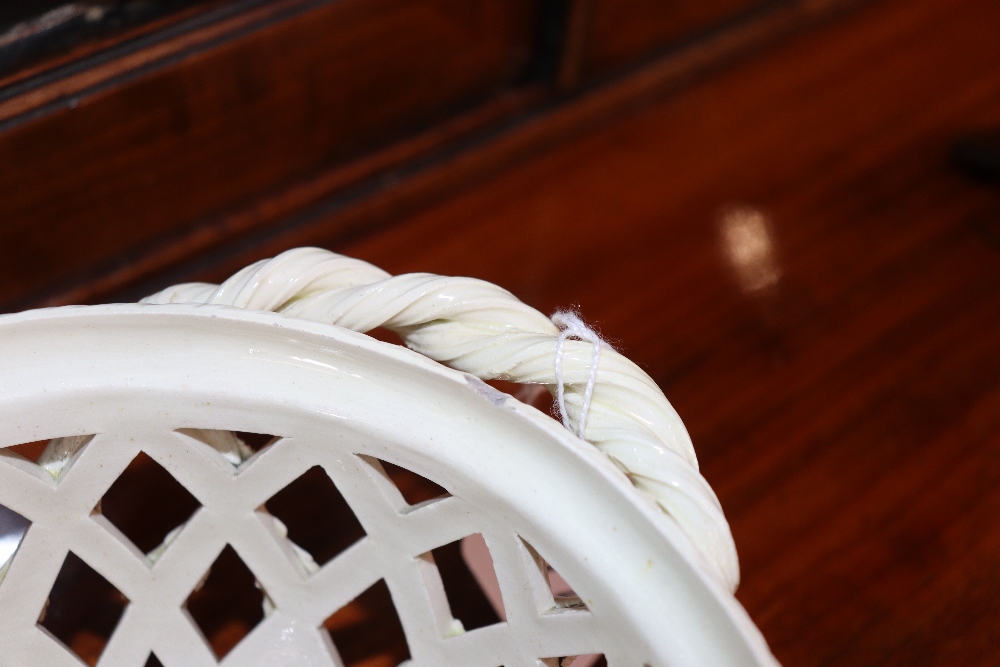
39,35
236,120
780,240
254,113
624,31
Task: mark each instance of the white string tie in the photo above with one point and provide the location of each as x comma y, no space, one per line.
572,327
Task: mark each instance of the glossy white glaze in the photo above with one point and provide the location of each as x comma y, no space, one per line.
482,329
141,377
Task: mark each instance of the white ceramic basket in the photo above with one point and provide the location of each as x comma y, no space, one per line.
109,382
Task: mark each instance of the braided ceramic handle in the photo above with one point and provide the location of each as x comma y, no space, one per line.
481,329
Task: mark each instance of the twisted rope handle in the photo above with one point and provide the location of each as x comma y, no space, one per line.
479,328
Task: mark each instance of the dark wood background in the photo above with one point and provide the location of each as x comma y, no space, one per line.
843,392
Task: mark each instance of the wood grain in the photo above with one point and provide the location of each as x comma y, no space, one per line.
157,153
245,120
622,32
30,50
362,196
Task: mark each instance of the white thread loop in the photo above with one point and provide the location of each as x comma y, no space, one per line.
572,327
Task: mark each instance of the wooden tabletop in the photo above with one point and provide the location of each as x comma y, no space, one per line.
786,249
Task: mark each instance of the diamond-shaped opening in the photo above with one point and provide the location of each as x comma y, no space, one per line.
476,555
316,516
83,609
228,604
367,632
415,489
563,594
146,503
13,528
470,606
29,450
256,441
153,661
236,447
55,456
591,660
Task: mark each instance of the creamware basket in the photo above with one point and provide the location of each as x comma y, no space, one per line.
592,537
